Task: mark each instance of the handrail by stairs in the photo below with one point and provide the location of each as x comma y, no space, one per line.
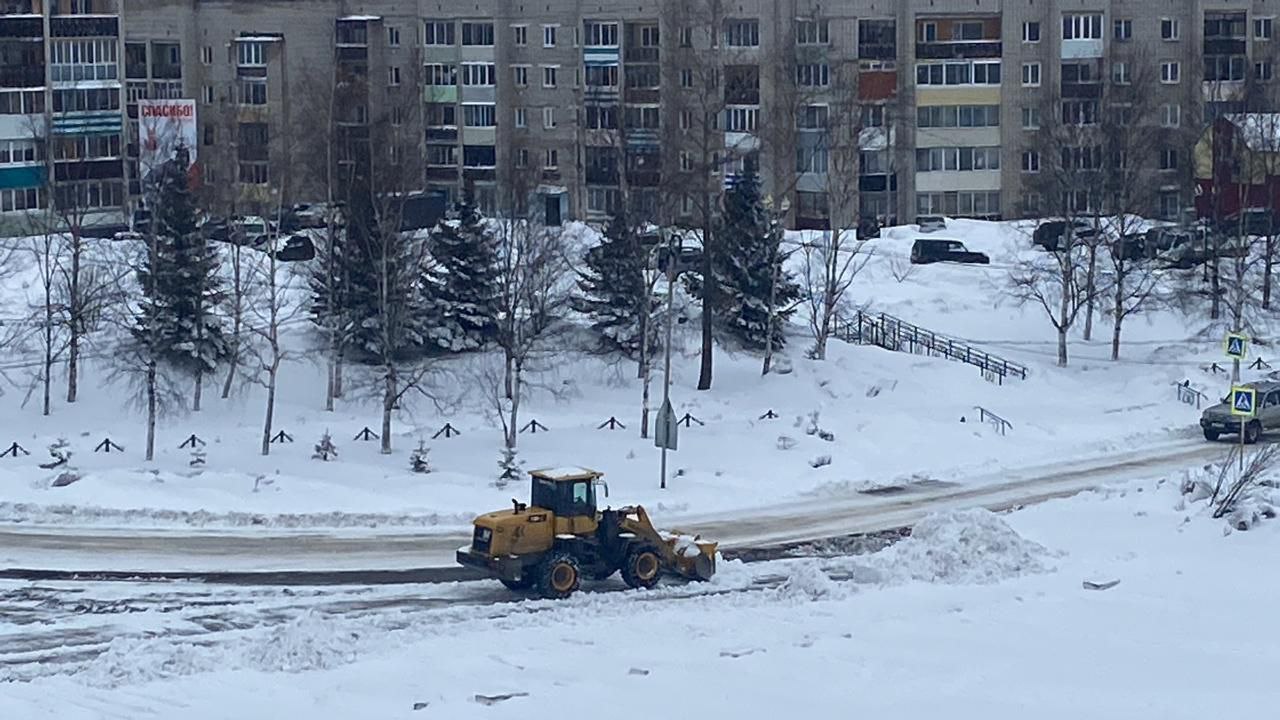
896,334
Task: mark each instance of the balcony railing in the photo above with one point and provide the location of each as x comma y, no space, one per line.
21,27
644,96
96,26
958,50
742,96
602,175
166,72
877,51
1224,46
1084,91
21,76
641,54
644,178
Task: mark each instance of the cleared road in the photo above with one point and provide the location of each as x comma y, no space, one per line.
389,558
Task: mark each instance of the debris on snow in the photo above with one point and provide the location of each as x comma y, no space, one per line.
495,699
1090,585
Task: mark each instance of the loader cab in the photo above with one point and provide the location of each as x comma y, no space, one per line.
570,495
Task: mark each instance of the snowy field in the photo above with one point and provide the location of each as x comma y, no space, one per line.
978,616
894,417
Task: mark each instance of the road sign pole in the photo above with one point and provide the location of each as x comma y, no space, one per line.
672,258
1242,420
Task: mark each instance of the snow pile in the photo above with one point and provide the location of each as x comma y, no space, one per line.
309,642
1243,500
808,581
960,548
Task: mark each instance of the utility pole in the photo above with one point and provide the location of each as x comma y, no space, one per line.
667,415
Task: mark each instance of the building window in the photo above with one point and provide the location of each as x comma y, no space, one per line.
552,159
811,160
950,116
393,75
520,75
686,161
206,55
1080,112
393,36
605,76
602,34
441,115
1030,161
686,78
1170,116
210,134
479,115
686,119
1227,68
602,117
1170,201
207,94
1122,30
479,156
549,35
1081,27
442,155
519,35
250,54
928,32
254,173
813,75
1030,32
649,36
397,116
438,33
441,75
76,60
686,37
872,116
522,157
1170,73
478,74
548,118
958,73
812,32
741,119
742,33
957,159
1262,71
477,34
522,119
1030,118
983,203
1031,74
252,92
549,75
1030,203
1120,73
17,152
1170,29
1262,28
1122,115
1168,159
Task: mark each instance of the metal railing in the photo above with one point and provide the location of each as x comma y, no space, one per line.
1001,425
895,334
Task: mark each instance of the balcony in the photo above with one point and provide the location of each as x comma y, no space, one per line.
601,94
642,96
644,178
442,134
440,94
165,71
877,51
1224,46
1081,91
22,77
21,28
602,175
742,96
481,174
72,170
641,54
959,50
82,26
449,173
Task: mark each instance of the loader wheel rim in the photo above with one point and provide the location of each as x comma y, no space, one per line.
562,577
646,566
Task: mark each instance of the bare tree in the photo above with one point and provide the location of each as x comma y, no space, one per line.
48,251
535,287
272,310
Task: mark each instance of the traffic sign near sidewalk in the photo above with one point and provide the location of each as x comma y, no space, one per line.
1244,401
1236,345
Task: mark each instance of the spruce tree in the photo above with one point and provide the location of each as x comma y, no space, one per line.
186,283
612,288
465,280
748,261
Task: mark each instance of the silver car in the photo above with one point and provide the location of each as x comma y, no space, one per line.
1217,420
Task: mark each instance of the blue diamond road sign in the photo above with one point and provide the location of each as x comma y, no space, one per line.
1243,401
1236,346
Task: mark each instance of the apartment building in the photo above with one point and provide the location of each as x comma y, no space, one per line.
565,108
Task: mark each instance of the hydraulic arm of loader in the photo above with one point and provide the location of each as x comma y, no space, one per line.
693,559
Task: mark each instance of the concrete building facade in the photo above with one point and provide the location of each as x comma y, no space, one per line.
566,108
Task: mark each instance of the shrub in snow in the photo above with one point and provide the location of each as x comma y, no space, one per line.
781,365
509,467
1244,497
60,453
962,547
820,461
785,442
325,449
418,460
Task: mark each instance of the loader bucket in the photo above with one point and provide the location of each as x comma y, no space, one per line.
693,559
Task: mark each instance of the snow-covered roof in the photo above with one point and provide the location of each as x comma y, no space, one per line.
569,472
1260,131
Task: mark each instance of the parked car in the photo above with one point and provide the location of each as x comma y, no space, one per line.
1051,234
1217,420
925,251
295,248
931,223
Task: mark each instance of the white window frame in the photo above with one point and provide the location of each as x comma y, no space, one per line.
520,35
1263,71
548,118
551,159
393,36
1026,32
1120,74
520,75
550,76
1170,115
1030,162
1031,74
206,55
1263,22
1127,25
1170,72
1030,118
479,74
550,35
521,119
393,75
1170,29
438,28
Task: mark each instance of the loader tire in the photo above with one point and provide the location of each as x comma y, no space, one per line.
642,567
558,576
524,583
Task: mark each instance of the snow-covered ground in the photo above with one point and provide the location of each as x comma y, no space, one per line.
894,417
976,616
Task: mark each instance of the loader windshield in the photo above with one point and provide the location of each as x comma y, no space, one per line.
543,494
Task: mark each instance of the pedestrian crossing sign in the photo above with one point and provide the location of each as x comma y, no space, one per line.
1243,401
1236,345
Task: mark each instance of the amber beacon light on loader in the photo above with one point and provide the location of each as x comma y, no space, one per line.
549,544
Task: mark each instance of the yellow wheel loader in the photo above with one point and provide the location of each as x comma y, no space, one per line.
560,536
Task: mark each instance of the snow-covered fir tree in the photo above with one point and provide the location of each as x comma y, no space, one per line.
465,280
186,288
418,460
325,449
749,259
612,290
